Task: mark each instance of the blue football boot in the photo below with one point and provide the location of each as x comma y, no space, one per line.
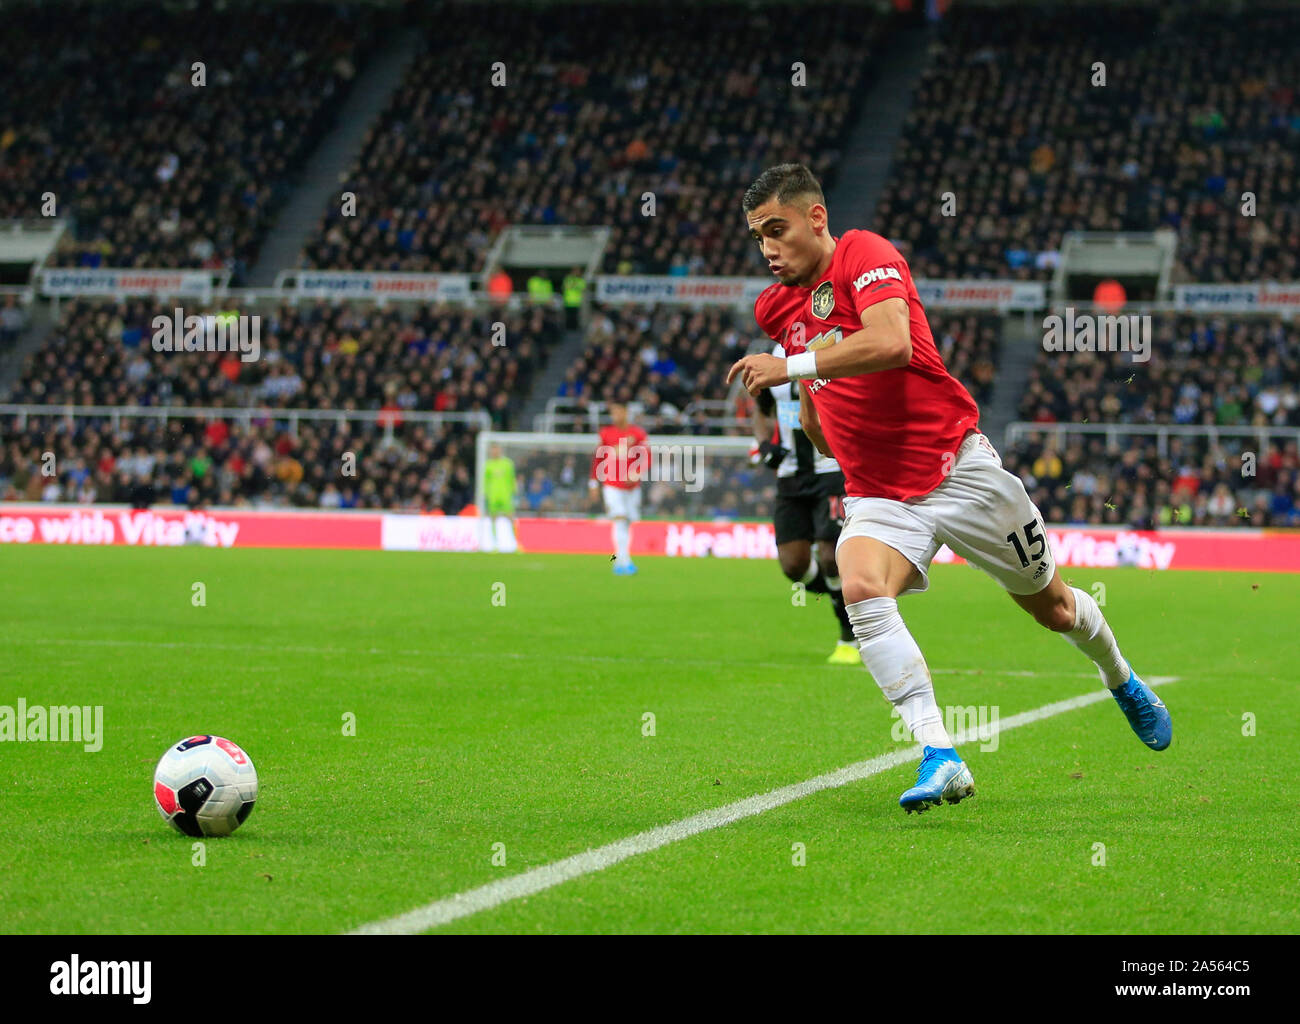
942,775
1145,712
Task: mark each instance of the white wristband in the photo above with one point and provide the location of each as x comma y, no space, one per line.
802,367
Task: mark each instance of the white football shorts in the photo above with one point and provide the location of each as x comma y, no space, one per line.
622,503
982,512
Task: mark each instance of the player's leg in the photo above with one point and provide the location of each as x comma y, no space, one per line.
505,529
487,533
616,509
884,551
828,519
622,506
1076,615
633,509
796,525
795,558
987,517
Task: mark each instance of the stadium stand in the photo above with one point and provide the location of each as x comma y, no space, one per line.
1203,371
315,356
437,358
1215,371
100,108
687,103
670,359
1199,107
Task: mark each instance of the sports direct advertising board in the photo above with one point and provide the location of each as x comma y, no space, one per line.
1081,547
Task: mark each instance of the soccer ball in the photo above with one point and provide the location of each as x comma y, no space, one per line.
205,786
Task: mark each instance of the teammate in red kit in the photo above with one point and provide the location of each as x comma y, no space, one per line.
918,473
620,464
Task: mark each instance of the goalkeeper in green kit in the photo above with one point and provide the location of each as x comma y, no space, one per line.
499,487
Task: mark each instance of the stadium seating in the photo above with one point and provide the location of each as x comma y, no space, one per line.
1130,483
1211,371
593,114
317,356
689,104
1199,107
100,108
1203,371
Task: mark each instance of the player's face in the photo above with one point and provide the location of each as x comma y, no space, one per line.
618,413
790,240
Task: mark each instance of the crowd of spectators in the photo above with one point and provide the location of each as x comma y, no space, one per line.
321,355
352,357
1206,371
200,462
665,359
1013,140
167,135
670,362
1203,371
651,119
1128,482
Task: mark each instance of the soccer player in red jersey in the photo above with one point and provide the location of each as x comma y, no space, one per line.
621,462
918,473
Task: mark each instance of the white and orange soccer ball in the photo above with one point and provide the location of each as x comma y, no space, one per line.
205,786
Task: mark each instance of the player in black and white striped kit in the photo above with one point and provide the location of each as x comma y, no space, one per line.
809,504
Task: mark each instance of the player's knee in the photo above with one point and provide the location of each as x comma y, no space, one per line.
793,567
863,588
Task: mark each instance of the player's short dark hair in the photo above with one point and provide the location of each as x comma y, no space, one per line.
789,183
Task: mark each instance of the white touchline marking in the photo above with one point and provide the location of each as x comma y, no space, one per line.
535,880
182,645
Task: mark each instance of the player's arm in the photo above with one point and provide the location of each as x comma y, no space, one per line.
884,343
767,451
810,423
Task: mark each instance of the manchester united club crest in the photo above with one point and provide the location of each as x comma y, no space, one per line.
823,300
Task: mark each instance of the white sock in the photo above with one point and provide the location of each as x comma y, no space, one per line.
622,540
898,667
811,572
1092,635
506,535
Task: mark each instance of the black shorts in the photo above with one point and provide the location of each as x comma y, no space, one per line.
809,508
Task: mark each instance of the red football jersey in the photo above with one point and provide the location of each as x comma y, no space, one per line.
891,429
622,459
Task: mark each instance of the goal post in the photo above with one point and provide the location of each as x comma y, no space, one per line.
685,476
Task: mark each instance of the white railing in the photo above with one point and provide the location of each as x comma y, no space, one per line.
1162,432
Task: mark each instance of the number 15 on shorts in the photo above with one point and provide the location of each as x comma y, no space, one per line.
1034,538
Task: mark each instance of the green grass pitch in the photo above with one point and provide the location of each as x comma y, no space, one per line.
499,705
